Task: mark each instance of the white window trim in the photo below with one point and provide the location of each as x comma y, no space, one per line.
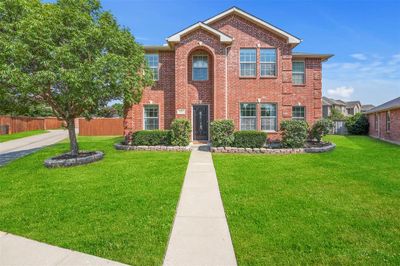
276,118
304,73
299,117
240,116
240,64
276,63
158,66
144,117
208,65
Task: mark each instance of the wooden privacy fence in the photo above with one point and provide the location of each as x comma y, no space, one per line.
17,124
339,127
101,127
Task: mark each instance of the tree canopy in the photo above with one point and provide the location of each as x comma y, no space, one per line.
70,55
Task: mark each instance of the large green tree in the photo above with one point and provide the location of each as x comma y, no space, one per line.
70,55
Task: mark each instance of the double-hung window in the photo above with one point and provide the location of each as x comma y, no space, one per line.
388,121
150,117
298,75
248,116
268,117
268,62
200,67
298,113
152,62
248,61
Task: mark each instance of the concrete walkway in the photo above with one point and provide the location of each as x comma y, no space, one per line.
14,149
15,250
200,234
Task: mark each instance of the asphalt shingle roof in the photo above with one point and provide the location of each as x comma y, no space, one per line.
393,104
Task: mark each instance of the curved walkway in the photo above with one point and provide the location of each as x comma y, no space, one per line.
14,149
200,234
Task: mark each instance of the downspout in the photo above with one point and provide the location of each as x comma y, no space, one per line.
226,81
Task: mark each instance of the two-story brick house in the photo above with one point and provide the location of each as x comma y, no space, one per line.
231,66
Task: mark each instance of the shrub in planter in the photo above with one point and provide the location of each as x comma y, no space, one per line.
294,133
249,139
357,124
222,133
151,138
320,128
180,132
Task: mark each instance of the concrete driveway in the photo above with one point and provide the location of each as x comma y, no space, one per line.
14,149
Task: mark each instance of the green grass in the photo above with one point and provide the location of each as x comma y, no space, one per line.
120,208
4,138
341,207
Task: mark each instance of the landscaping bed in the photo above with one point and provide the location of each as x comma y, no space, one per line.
125,147
67,159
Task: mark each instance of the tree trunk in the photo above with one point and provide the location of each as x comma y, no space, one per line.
73,143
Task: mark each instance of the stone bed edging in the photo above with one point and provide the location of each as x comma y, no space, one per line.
272,151
124,147
53,162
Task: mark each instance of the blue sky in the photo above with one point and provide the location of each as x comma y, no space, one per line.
363,35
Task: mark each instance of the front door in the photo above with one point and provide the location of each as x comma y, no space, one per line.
200,122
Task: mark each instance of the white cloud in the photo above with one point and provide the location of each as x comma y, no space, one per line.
341,92
395,59
359,56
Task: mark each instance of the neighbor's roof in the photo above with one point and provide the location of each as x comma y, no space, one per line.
352,104
393,104
366,107
237,11
300,55
330,101
222,36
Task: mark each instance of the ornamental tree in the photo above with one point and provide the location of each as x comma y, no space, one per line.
70,55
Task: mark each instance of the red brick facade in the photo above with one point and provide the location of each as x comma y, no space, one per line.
377,125
175,92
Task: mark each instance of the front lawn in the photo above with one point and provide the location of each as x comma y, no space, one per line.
19,135
341,207
121,208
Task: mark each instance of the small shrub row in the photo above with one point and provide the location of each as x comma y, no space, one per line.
179,135
222,133
294,133
151,138
249,139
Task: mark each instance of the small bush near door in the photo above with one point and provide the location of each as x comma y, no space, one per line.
249,139
151,138
294,133
180,132
222,133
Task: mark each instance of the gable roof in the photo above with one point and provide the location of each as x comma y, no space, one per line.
330,101
366,107
393,104
352,104
199,25
237,11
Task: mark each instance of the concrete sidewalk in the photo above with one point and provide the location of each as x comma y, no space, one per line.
200,234
14,149
16,250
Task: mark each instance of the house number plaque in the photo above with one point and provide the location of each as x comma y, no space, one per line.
181,111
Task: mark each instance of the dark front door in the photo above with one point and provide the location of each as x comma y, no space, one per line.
200,122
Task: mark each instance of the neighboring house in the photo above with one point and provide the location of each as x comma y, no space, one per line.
353,107
231,66
366,107
328,104
384,121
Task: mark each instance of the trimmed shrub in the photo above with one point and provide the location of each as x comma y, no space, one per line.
249,139
320,128
151,138
357,124
180,132
294,133
222,133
